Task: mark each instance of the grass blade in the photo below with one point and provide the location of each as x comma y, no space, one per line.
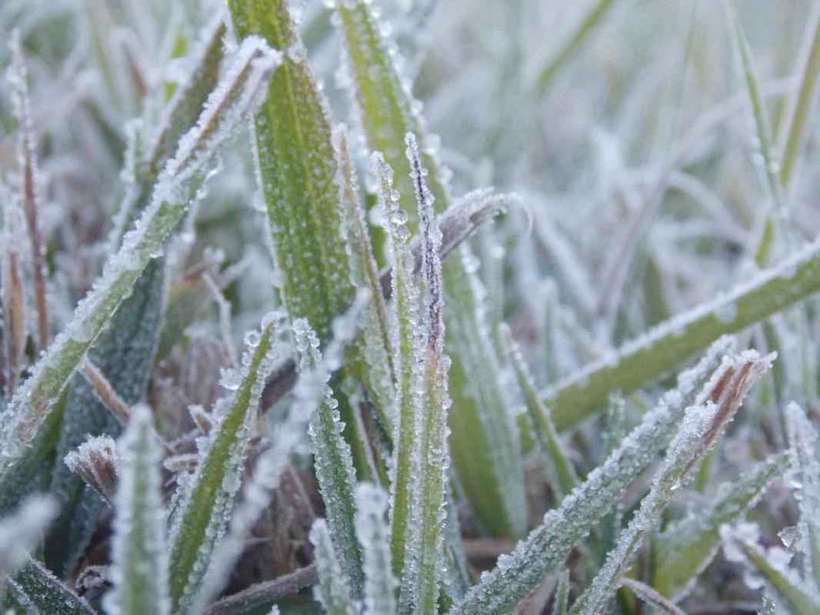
480,419
546,547
332,591
139,557
592,18
21,531
684,550
297,170
788,590
702,425
643,360
208,496
560,600
562,475
803,439
333,466
648,595
373,533
36,590
14,309
803,102
227,106
423,562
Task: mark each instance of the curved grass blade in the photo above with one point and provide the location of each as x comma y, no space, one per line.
648,595
297,170
176,188
37,591
702,424
373,533
803,440
332,591
480,420
646,358
208,497
685,549
138,554
546,547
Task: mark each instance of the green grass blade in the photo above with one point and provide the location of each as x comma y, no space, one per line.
332,591
177,187
333,466
36,590
684,550
592,18
643,360
406,358
297,170
802,103
562,475
651,597
479,421
138,553
374,538
423,554
703,423
803,438
784,584
208,496
546,547
560,600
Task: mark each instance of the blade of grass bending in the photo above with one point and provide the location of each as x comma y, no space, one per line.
803,102
803,439
684,550
207,498
784,584
593,17
639,362
648,595
546,547
480,420
309,392
562,475
423,562
36,590
139,564
178,185
702,425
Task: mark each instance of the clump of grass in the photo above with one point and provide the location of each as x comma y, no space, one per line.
320,366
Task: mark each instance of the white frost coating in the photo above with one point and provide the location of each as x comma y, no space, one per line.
372,530
803,440
96,461
308,393
139,557
179,183
22,530
545,548
332,592
255,368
